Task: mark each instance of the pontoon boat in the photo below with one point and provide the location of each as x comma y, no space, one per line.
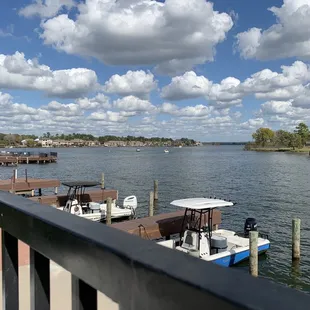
223,247
76,204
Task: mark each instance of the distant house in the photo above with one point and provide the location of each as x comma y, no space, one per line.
115,143
46,142
61,143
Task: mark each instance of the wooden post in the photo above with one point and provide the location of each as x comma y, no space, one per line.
26,175
27,160
56,190
296,239
254,253
15,174
151,206
109,211
102,180
156,190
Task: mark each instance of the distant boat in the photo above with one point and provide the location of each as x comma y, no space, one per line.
137,150
180,146
166,151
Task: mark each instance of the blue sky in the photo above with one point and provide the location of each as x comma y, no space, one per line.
174,68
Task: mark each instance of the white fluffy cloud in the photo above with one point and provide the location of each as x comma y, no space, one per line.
291,83
99,102
131,103
189,85
45,8
188,111
174,35
136,83
17,72
288,37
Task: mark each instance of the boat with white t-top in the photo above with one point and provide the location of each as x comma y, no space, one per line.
95,211
223,247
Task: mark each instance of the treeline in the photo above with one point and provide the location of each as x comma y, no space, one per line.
107,138
16,139
265,137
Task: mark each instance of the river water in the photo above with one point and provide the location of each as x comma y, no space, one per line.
272,187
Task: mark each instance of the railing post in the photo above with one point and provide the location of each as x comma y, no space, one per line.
10,298
39,281
84,297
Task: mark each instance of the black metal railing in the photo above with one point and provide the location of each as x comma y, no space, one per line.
137,274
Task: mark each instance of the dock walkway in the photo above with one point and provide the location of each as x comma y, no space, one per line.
160,226
27,185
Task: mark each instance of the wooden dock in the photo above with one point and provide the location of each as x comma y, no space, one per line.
6,160
160,226
27,185
94,195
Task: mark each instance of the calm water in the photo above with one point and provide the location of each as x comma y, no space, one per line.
272,187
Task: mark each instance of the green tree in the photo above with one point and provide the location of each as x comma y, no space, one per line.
303,131
262,136
30,143
295,141
282,138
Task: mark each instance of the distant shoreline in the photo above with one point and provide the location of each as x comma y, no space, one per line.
279,149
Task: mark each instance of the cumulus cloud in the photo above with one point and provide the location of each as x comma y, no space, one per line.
136,83
45,8
99,102
252,123
108,116
17,72
174,35
288,37
188,111
189,85
132,103
266,84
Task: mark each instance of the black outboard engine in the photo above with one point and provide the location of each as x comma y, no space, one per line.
249,225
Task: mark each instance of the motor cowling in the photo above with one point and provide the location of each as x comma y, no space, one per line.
249,225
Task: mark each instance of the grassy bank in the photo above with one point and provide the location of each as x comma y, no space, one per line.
275,149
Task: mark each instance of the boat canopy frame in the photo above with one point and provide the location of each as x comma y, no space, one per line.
194,222
77,189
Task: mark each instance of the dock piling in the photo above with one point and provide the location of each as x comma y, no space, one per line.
295,239
109,211
151,205
15,174
102,180
26,175
254,253
155,189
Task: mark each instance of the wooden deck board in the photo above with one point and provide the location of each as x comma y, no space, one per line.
31,184
94,195
159,226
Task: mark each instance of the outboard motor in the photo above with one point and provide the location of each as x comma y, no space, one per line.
249,225
130,202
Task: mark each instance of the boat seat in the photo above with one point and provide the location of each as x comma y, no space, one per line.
190,240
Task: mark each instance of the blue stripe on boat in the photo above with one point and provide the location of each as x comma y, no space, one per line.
234,259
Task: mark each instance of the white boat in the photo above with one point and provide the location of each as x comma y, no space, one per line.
138,150
223,247
166,151
95,211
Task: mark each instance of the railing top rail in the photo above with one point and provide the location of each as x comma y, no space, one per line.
136,271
